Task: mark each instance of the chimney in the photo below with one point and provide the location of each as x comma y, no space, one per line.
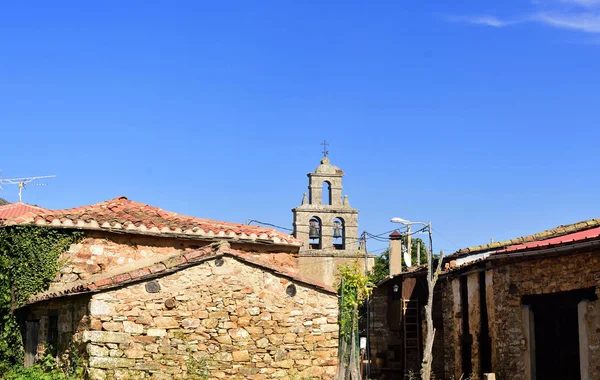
395,253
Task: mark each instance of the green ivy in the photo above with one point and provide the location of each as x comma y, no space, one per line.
29,261
354,288
353,292
47,368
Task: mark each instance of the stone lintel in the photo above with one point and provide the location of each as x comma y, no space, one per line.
326,209
106,337
108,363
333,254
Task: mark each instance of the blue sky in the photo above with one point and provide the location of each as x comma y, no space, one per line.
480,116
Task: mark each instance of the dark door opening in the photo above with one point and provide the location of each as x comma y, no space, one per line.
466,338
485,341
556,331
32,329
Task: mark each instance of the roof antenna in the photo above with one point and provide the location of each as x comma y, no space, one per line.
23,182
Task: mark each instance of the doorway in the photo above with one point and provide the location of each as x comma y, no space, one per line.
556,333
32,329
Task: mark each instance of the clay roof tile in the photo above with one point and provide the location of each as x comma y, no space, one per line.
15,210
172,264
134,217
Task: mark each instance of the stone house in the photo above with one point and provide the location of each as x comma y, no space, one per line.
152,294
525,308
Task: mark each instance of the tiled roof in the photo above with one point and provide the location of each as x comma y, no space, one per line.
163,266
13,210
450,268
408,271
396,234
564,239
125,215
564,234
544,235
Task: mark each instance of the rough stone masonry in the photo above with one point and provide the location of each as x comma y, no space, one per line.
237,320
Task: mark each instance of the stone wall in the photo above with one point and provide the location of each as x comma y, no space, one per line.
491,309
452,318
381,336
101,252
72,318
324,268
540,276
235,316
386,330
506,284
474,316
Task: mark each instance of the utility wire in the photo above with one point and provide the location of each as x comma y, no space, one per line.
381,234
370,236
266,224
451,242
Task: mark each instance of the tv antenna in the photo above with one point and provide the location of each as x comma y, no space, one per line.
23,182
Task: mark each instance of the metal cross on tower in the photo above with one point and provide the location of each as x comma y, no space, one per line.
325,151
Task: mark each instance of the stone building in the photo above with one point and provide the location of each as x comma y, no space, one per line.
397,319
523,309
328,226
150,293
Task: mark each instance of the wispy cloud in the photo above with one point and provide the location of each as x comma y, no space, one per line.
578,15
585,22
583,3
480,20
488,20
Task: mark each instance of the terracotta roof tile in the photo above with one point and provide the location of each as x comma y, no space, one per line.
13,210
123,214
172,264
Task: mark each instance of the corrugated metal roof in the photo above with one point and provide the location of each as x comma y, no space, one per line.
559,231
569,238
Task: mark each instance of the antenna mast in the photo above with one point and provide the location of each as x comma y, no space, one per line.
23,182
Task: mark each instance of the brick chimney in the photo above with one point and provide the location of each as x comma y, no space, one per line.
395,253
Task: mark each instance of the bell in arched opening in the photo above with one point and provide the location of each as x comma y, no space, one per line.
314,229
338,234
337,229
314,233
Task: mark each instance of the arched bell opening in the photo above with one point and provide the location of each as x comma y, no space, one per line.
339,234
315,233
326,192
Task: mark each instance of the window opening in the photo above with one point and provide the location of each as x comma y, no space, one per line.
326,191
52,329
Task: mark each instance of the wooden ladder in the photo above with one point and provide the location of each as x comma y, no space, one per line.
412,334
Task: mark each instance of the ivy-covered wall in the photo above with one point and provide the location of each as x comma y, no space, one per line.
29,261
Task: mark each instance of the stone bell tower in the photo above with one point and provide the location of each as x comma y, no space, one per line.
327,226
